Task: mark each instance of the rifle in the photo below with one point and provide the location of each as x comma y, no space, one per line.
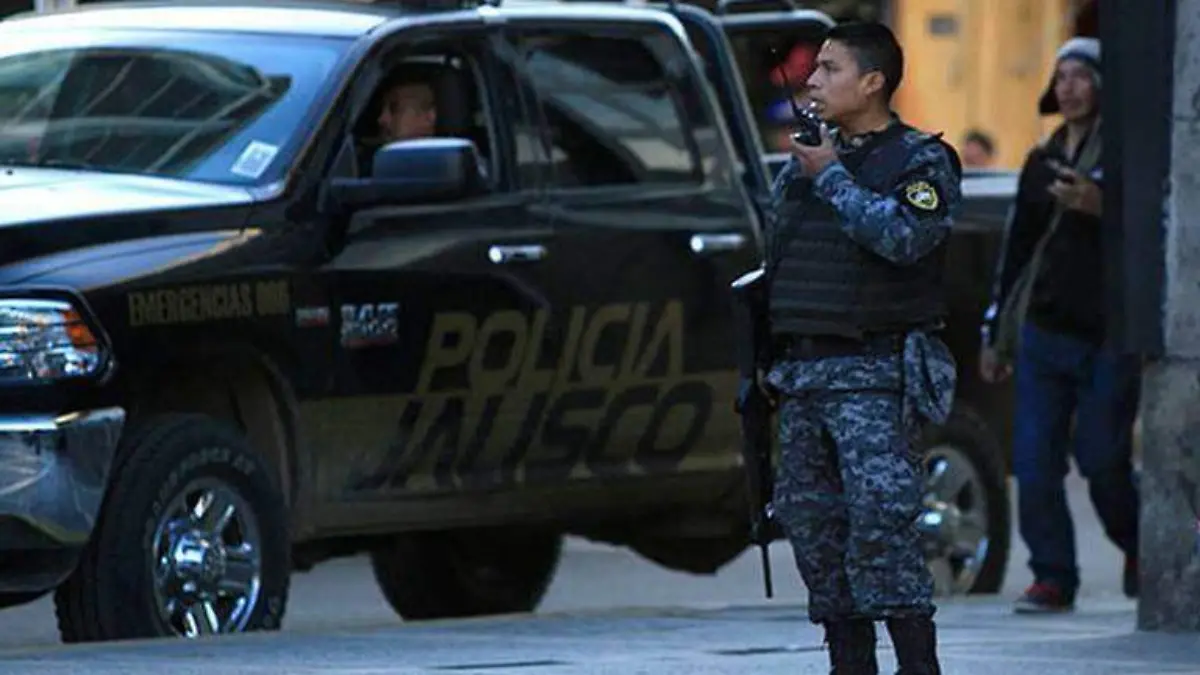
752,345
752,338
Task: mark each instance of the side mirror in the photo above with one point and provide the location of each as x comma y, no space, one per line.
416,171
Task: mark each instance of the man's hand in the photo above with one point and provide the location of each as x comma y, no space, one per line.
814,158
1077,193
990,368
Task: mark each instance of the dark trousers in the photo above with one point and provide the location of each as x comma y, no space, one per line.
848,493
1057,375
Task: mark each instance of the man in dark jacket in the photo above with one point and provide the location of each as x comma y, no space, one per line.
1063,363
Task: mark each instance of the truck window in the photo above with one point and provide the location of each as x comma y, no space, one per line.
611,115
453,73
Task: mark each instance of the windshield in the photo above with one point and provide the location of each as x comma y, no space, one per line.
221,108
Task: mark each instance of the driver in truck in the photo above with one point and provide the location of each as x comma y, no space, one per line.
408,108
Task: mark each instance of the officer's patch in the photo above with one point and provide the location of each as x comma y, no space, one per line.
922,195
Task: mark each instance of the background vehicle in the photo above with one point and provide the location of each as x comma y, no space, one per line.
258,351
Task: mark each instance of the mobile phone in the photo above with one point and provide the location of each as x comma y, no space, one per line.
1062,171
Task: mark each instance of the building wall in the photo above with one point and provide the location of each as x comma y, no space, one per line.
981,64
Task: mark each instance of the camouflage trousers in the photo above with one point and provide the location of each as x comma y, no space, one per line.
848,493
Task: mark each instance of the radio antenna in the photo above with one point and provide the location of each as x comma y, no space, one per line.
787,83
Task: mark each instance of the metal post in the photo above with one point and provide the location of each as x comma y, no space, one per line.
1152,130
1136,99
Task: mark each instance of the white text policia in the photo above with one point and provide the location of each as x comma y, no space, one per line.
570,415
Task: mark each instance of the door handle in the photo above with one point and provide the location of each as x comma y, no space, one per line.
703,244
501,255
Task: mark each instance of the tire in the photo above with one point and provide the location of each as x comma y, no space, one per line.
8,600
112,593
694,555
966,438
465,573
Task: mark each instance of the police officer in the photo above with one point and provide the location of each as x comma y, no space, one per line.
856,243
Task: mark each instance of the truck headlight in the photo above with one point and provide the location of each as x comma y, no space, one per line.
44,339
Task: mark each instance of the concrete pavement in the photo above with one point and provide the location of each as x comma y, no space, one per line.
601,616
342,594
978,637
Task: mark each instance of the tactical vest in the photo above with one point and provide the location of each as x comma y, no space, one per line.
824,283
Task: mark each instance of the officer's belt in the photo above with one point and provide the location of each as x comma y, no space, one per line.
808,347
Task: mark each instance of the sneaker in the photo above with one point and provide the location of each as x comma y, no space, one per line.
1043,598
1129,580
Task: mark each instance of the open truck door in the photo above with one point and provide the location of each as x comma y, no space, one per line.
775,44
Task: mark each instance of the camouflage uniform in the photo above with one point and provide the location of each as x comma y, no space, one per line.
851,479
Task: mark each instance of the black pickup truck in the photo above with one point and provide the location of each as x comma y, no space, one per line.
239,335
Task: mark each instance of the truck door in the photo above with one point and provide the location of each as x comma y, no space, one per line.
430,330
741,53
767,45
649,225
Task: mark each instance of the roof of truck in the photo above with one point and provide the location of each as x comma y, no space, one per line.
349,18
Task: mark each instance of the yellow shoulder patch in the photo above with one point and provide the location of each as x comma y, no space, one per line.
922,195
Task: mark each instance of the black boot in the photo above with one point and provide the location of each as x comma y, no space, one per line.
851,647
915,641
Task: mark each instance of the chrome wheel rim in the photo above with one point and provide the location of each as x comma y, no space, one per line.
206,561
954,522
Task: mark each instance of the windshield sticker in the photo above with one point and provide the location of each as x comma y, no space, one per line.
254,160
